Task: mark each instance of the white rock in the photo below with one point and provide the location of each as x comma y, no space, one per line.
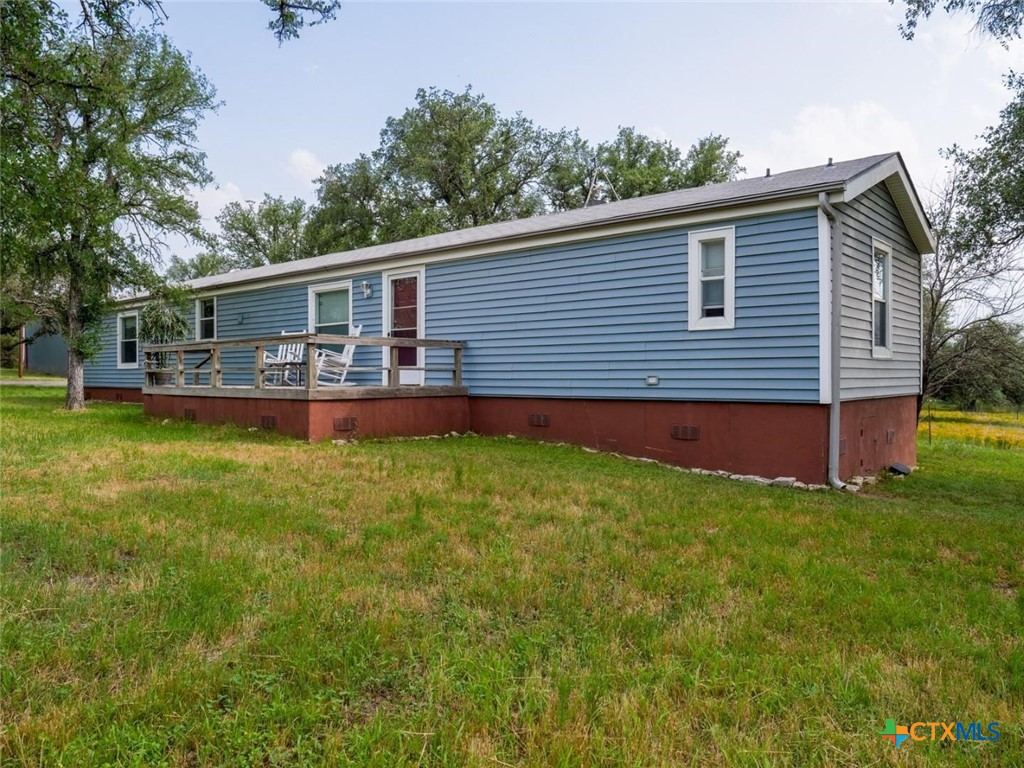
784,482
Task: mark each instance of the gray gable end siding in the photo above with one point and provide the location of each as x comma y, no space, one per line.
874,214
267,311
593,319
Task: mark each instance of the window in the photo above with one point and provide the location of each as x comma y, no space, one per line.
330,308
206,319
128,340
712,267
881,287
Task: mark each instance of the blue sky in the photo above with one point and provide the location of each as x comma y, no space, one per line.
790,83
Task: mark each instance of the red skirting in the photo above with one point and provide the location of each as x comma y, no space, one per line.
771,440
114,394
766,439
321,419
877,433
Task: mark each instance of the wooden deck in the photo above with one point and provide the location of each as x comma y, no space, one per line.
196,369
234,381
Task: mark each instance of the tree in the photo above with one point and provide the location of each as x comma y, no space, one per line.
710,161
970,289
98,129
983,364
1001,19
992,181
291,17
634,165
450,162
453,161
348,211
269,233
204,264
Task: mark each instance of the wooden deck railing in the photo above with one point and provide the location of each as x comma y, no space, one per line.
201,364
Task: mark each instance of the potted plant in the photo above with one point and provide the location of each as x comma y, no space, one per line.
164,320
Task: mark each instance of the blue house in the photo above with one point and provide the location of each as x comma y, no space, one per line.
767,326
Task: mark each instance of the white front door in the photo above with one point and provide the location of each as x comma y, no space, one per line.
403,319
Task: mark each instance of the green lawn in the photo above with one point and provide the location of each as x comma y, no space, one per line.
12,373
174,594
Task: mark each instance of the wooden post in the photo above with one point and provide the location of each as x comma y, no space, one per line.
457,370
215,374
310,366
181,369
22,352
258,384
393,372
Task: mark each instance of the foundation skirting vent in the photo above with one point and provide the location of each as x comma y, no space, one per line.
685,432
345,423
540,420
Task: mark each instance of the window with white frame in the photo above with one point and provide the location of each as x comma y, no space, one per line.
712,269
881,290
330,308
128,340
206,319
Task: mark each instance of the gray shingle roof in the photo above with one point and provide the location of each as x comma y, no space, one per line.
806,181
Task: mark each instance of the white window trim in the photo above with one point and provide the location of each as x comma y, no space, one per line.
694,321
199,317
886,351
341,285
138,346
420,273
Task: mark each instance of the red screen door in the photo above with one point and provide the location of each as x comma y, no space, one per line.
405,323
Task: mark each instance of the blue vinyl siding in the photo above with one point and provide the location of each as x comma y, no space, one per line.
102,370
594,319
589,319
263,312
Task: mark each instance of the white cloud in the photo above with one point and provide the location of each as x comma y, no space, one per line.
212,199
302,165
842,132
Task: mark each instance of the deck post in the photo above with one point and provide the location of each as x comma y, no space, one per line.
181,369
258,383
393,373
310,366
215,376
457,367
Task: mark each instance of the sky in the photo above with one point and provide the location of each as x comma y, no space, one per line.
789,83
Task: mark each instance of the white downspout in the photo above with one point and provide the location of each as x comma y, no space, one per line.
836,258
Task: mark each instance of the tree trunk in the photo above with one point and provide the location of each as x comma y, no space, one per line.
75,400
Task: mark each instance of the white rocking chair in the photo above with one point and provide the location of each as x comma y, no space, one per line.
332,367
286,365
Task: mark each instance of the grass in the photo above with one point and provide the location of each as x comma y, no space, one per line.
180,595
12,373
996,429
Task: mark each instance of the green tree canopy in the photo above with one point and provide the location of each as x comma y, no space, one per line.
992,178
252,235
98,130
454,161
204,264
1000,19
290,16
